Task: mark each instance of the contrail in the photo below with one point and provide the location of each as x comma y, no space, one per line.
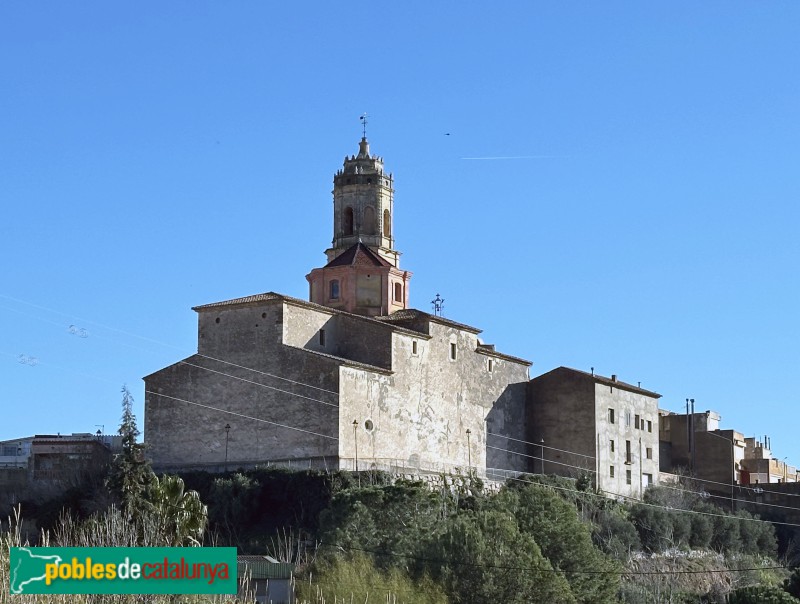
519,157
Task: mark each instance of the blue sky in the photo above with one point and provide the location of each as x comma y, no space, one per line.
155,157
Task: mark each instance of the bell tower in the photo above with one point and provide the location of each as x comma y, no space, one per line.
363,205
363,273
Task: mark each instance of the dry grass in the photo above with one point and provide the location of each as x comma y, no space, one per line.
110,529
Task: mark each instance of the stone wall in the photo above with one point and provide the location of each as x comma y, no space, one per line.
421,412
572,411
247,379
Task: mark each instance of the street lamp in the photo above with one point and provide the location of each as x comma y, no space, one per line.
469,450
227,432
733,461
541,449
355,442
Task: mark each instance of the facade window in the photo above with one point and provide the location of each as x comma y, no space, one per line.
649,426
610,416
647,480
627,477
649,452
611,445
636,422
398,292
628,419
347,222
334,286
387,224
611,471
322,337
414,347
627,451
368,226
452,351
490,365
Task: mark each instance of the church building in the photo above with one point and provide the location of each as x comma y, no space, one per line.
353,378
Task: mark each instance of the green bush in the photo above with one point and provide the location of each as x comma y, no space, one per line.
760,595
355,578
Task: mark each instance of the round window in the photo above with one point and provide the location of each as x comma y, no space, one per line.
369,425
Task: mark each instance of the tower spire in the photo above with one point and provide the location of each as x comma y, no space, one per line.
363,272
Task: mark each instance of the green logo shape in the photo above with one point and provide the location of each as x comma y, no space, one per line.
123,570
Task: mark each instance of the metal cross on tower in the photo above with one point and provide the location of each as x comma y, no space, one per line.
363,119
438,304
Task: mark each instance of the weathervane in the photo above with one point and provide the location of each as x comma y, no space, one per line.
363,119
438,304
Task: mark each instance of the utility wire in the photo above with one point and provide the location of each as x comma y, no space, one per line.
255,419
544,570
527,442
308,398
335,405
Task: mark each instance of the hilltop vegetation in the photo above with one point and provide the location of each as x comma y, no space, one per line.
537,539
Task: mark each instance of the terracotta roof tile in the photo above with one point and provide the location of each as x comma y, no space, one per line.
358,255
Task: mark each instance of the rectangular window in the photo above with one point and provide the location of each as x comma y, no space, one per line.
413,347
627,477
610,416
636,422
627,451
491,365
611,445
628,419
611,471
647,480
649,426
452,351
649,452
322,337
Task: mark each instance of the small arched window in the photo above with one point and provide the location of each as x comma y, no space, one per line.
347,221
398,292
369,220
334,289
387,224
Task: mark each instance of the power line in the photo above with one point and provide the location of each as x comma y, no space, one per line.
543,570
704,494
639,502
549,461
754,503
256,419
308,398
527,442
272,375
303,384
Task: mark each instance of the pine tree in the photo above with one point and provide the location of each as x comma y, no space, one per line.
130,472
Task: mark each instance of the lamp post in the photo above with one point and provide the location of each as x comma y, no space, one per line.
541,450
469,450
227,433
733,462
355,442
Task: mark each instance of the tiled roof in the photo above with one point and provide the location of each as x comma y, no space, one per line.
600,379
245,300
482,349
411,314
271,296
358,255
